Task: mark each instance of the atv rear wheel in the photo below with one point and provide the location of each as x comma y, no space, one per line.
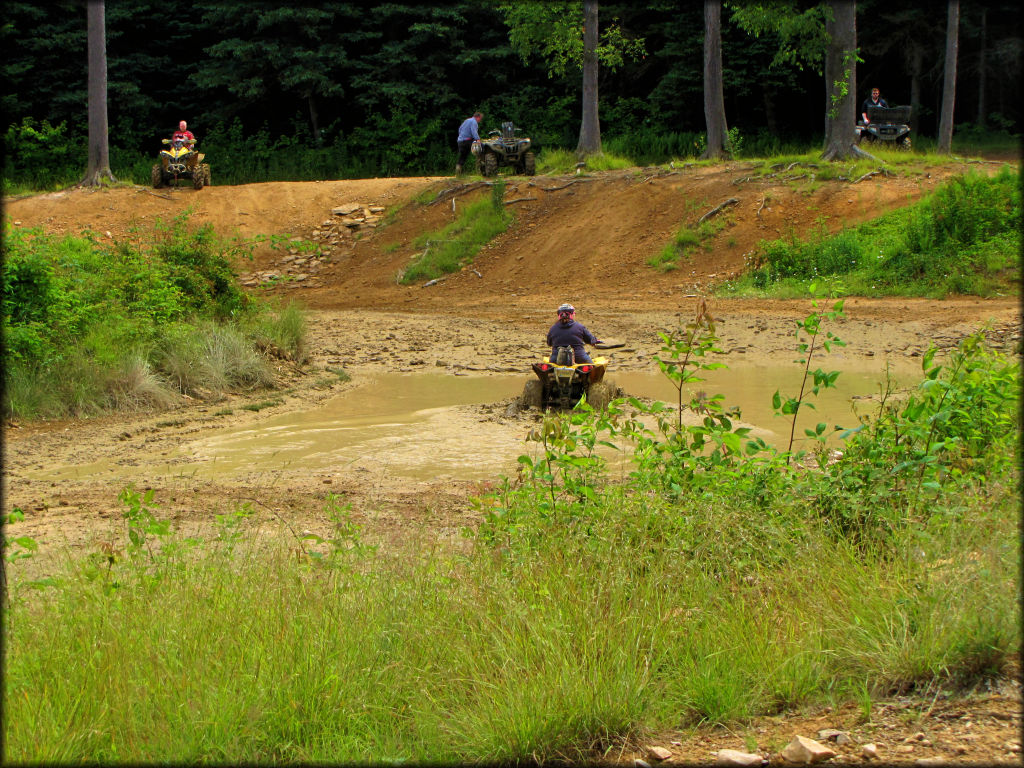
533,394
489,165
529,164
197,178
157,176
600,394
205,168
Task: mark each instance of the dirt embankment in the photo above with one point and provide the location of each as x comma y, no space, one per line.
582,239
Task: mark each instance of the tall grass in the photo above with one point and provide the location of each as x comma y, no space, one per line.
582,613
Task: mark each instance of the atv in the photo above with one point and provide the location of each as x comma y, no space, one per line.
180,160
887,125
505,149
563,383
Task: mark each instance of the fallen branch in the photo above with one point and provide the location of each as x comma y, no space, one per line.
460,188
154,194
555,189
763,201
713,211
867,175
519,200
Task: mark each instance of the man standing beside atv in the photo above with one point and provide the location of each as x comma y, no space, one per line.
569,333
469,132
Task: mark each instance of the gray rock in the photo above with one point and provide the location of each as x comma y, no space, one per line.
804,751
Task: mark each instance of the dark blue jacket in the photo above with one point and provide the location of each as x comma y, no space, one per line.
573,335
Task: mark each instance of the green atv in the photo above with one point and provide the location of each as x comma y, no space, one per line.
505,149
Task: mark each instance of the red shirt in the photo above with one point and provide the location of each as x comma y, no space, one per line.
183,135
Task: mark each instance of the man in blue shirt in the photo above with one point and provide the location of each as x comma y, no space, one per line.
568,333
469,132
874,101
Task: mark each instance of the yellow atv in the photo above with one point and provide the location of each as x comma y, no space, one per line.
563,383
180,160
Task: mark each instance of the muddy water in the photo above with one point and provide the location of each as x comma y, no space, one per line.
438,426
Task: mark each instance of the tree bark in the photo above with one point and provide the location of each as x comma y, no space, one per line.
590,128
99,148
841,76
915,90
945,142
714,100
982,67
314,118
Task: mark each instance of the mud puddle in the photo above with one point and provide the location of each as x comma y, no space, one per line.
437,426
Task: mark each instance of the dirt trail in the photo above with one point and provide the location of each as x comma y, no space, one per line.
583,239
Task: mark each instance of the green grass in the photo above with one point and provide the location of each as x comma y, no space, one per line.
684,241
453,247
962,239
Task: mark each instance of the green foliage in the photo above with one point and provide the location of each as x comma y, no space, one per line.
554,32
453,247
38,153
91,325
963,238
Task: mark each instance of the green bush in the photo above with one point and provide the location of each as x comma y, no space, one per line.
963,238
91,326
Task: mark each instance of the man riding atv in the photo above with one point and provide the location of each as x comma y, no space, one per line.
569,333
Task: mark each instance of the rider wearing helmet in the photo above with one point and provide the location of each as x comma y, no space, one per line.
568,333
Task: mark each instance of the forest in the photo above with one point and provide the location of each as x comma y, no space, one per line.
379,88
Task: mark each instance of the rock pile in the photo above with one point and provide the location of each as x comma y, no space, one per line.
331,238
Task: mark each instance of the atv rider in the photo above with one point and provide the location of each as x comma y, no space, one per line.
568,333
469,132
184,135
875,100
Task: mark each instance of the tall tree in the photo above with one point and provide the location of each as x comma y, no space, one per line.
99,146
945,141
714,98
841,81
590,125
567,34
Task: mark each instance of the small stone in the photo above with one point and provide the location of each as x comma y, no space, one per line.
804,750
735,757
905,748
638,763
869,751
930,761
658,753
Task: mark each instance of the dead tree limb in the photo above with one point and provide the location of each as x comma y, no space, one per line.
519,200
717,209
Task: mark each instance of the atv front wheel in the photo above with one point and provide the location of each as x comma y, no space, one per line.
197,178
489,165
533,394
157,176
529,164
205,169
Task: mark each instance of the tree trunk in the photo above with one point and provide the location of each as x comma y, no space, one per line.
714,100
982,66
841,73
314,121
915,90
99,147
590,128
945,142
